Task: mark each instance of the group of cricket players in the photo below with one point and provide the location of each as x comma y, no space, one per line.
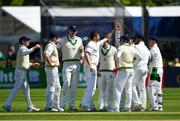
119,72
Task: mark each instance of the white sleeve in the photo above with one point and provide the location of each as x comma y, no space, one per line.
115,56
59,45
89,48
25,51
49,50
119,52
101,42
117,36
60,42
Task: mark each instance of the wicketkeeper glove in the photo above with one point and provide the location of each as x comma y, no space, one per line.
154,75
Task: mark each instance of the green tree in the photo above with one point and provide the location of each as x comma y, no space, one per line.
12,2
148,2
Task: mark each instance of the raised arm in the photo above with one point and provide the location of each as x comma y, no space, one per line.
117,33
24,52
107,38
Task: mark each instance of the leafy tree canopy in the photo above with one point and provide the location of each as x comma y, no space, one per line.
85,3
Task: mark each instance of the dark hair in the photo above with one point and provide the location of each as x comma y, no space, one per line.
138,36
73,28
127,37
23,38
93,34
153,38
53,34
123,38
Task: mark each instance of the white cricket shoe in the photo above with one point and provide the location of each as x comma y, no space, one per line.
160,109
128,110
116,110
153,109
143,109
51,110
60,109
33,109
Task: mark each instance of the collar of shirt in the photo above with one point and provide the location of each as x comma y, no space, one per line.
106,48
155,45
71,38
53,43
141,43
126,44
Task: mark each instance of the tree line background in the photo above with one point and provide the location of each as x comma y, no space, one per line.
85,3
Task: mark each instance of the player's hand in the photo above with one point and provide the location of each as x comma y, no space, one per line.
53,65
118,26
81,61
91,67
36,65
37,46
108,36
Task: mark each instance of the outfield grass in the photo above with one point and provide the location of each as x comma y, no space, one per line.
171,108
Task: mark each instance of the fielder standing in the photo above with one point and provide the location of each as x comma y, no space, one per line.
140,74
52,75
90,69
107,66
22,65
125,54
72,56
156,72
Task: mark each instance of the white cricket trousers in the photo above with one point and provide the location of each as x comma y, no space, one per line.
53,87
70,73
139,86
91,78
105,85
123,80
155,91
20,83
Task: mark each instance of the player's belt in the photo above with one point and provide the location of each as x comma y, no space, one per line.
23,69
68,60
105,70
51,66
123,68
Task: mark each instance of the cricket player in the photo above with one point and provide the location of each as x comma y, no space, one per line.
125,54
22,66
90,69
121,41
107,64
140,74
52,75
156,71
72,56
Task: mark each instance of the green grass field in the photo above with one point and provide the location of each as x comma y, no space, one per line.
171,109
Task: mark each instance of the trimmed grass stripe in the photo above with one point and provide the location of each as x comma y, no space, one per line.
171,109
91,116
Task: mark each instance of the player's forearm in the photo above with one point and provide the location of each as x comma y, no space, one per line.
25,52
81,50
88,58
47,57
